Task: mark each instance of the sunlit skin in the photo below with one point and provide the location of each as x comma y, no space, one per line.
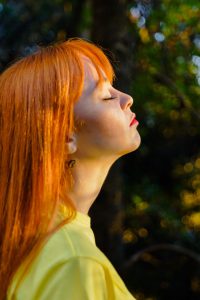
103,135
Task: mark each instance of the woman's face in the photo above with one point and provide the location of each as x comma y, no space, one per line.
105,115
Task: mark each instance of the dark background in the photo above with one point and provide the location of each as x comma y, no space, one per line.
147,218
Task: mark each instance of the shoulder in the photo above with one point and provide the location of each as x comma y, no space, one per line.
65,247
69,242
70,263
70,254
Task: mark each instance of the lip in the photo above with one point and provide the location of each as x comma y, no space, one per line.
134,121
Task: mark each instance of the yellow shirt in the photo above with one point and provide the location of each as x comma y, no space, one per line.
71,267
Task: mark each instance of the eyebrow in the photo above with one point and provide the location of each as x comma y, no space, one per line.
105,80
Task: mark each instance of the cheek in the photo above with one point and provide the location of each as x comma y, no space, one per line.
106,132
105,125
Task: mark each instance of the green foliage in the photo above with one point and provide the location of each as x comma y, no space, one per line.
164,190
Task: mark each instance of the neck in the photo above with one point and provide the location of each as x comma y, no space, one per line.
89,177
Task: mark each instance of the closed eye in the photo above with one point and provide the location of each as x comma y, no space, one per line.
110,98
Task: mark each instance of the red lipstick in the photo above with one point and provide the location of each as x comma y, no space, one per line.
134,121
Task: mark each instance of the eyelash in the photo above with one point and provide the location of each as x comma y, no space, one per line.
111,98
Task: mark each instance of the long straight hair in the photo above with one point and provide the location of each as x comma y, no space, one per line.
37,97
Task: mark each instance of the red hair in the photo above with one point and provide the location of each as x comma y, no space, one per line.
37,96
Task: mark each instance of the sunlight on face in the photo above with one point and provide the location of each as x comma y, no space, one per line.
106,116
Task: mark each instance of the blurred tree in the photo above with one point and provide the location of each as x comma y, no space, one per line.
163,205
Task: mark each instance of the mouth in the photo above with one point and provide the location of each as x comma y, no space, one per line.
134,121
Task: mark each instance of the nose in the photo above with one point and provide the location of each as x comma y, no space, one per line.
126,101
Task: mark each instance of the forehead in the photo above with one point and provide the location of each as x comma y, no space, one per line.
91,77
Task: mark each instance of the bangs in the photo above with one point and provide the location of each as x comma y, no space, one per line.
97,57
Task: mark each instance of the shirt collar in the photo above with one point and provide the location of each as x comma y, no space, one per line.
82,219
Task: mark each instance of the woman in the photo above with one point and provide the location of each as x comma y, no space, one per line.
62,126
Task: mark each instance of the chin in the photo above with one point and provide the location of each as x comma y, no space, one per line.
134,145
137,142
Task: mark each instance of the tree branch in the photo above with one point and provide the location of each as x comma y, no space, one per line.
168,82
176,248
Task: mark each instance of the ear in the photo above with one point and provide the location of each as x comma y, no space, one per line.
71,144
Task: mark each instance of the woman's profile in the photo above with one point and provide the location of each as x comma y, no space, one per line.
62,126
